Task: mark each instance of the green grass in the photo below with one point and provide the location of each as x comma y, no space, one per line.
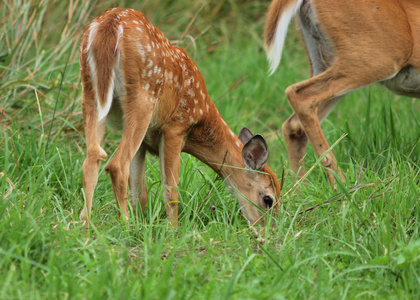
361,241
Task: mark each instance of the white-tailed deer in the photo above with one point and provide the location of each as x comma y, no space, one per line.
350,44
136,81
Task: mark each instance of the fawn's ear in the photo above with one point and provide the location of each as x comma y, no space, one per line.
245,135
255,153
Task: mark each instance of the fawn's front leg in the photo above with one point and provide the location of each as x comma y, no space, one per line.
170,146
137,181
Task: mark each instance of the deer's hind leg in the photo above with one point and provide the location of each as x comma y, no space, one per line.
320,57
94,131
308,96
137,111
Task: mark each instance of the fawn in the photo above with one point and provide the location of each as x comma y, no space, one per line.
136,81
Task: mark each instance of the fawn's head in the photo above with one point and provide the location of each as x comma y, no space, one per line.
255,186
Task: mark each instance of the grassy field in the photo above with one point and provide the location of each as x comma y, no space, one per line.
361,241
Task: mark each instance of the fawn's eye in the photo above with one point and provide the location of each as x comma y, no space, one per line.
268,201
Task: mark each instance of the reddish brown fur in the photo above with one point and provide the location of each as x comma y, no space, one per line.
351,44
161,101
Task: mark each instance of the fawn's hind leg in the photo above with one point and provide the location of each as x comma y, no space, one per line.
94,131
138,113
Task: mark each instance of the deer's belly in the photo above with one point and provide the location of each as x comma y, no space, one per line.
405,83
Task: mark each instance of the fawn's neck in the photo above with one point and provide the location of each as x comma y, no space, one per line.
212,141
208,137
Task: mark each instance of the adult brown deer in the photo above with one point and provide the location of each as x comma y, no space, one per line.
350,44
136,81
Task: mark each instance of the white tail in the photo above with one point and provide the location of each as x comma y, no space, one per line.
135,80
280,14
350,44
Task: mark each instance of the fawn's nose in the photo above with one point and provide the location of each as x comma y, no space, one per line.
268,201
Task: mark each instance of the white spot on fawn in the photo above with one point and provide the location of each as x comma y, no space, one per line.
237,144
152,99
207,107
135,22
140,48
191,92
146,87
231,133
201,112
184,102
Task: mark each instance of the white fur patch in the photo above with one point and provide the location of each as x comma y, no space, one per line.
140,48
191,92
231,133
120,33
92,31
184,102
